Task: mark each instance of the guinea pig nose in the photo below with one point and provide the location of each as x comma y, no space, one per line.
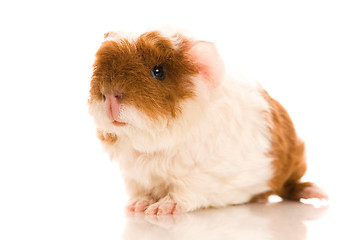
119,96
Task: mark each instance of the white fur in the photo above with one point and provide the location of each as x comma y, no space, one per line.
214,154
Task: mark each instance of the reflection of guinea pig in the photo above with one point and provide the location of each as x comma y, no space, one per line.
281,221
187,136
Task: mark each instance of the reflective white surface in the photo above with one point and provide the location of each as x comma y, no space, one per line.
282,221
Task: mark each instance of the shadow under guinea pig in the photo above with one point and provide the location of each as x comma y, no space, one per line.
283,220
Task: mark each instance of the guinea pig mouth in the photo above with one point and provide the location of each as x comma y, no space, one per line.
119,124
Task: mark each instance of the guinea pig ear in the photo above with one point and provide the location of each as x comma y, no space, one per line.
209,63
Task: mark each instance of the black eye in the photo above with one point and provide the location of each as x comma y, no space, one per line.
158,73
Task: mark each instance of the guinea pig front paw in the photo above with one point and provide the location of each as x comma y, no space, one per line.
139,204
164,206
109,138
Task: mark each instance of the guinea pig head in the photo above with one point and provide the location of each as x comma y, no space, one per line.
152,75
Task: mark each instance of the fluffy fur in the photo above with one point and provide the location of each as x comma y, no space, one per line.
197,138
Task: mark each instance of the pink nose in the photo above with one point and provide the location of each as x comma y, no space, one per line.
119,96
113,106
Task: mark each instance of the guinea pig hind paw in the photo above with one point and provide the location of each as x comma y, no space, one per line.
313,191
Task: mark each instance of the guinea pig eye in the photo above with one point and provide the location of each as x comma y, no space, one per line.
158,73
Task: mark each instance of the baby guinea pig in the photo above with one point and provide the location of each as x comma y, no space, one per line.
185,134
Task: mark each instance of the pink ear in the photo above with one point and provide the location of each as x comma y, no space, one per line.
209,62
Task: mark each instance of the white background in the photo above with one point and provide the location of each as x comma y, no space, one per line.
55,181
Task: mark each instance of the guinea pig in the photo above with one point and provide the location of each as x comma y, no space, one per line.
186,134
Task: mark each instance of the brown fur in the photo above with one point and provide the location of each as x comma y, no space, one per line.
125,67
288,152
107,137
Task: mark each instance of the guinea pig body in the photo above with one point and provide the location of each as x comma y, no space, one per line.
185,134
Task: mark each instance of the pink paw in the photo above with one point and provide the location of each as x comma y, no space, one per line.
139,204
314,195
313,191
165,206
